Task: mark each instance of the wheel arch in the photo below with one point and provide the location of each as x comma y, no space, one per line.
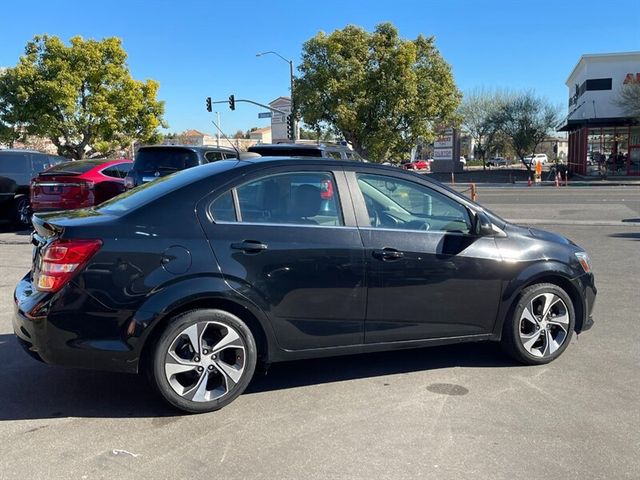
554,273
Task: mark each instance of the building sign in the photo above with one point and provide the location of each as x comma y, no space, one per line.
443,154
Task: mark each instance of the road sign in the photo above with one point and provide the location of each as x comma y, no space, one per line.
265,114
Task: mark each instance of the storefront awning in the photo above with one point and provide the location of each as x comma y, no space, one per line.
571,125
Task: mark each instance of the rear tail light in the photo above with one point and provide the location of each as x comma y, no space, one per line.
60,260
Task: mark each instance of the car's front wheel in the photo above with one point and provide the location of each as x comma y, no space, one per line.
203,360
541,325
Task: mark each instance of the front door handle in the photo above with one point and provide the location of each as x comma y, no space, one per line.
388,254
249,246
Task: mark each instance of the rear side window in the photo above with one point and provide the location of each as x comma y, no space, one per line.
333,154
13,163
304,198
213,156
165,160
117,171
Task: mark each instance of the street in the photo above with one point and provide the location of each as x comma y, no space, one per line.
463,411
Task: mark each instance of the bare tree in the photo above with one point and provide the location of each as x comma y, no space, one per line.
629,99
479,111
527,120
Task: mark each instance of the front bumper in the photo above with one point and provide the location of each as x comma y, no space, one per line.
586,284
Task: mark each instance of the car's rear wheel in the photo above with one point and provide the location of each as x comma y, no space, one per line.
21,211
541,326
203,360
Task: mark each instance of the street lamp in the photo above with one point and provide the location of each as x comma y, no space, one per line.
291,78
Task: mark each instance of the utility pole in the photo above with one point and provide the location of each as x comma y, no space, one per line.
218,129
291,82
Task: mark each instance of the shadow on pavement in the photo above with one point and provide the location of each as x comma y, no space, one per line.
33,390
627,235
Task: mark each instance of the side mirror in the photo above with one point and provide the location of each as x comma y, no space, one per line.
482,226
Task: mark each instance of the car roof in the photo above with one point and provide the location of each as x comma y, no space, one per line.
200,148
24,150
305,146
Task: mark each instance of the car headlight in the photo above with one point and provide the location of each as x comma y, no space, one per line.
584,260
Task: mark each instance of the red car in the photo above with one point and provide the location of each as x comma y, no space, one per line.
417,165
78,184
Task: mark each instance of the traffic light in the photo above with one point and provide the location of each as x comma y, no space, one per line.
232,102
209,104
291,127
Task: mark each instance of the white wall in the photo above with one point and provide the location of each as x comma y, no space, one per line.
601,103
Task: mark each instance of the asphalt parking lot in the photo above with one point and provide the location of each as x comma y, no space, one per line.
453,412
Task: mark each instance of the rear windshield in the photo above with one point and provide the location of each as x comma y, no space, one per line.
148,192
164,160
286,152
77,167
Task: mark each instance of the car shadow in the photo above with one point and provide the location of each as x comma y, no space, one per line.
627,235
34,390
9,227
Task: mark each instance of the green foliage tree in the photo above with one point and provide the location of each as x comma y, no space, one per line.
81,96
375,90
479,118
526,120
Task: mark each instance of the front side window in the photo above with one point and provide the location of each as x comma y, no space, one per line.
400,204
304,198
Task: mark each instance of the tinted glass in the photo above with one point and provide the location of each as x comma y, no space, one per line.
222,208
76,167
333,154
117,171
13,163
286,152
148,192
305,198
213,156
399,204
165,160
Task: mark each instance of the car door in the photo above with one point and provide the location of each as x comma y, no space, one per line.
288,241
428,277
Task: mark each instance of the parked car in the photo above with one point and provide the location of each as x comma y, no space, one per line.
422,165
78,184
323,150
497,162
17,168
155,161
281,259
537,158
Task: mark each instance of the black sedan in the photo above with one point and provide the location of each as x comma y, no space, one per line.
196,277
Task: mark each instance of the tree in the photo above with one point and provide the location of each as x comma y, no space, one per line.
239,134
375,90
629,99
478,113
318,134
526,120
81,96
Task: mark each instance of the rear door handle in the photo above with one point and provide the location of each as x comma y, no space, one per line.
249,246
388,254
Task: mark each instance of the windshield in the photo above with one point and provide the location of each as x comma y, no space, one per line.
286,152
77,167
165,159
148,192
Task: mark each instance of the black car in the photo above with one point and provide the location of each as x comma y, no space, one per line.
196,277
154,161
17,168
324,150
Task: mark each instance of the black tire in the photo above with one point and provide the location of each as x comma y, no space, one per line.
511,333
21,211
156,366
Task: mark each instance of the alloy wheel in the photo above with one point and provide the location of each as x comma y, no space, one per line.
205,361
544,325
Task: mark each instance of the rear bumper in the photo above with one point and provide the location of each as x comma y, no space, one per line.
51,329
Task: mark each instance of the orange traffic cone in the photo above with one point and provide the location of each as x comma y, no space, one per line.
529,182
